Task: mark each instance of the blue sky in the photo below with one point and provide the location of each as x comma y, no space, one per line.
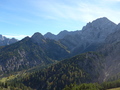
20,18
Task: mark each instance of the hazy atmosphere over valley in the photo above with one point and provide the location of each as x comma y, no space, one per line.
59,45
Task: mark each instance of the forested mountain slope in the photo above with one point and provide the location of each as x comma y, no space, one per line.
30,52
83,68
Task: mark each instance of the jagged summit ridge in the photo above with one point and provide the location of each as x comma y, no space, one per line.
90,37
60,35
37,37
102,21
98,30
91,31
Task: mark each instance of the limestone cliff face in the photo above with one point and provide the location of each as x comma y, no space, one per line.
114,37
98,30
90,37
111,50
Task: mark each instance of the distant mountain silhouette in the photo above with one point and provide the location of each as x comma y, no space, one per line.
6,41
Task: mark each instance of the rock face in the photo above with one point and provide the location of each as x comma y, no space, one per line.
112,61
98,30
114,37
50,36
111,50
90,37
6,41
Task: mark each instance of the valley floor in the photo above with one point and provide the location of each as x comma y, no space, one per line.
114,89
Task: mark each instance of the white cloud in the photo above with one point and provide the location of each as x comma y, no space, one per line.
19,37
77,10
81,11
113,0
91,12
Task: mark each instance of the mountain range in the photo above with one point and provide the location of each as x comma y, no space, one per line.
89,38
6,41
89,55
30,52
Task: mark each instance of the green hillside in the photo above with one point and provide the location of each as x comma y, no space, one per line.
83,68
114,89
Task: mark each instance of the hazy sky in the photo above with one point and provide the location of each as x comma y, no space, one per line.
20,18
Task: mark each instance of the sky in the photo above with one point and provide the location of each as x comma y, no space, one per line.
21,18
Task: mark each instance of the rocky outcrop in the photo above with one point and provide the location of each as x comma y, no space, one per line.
114,37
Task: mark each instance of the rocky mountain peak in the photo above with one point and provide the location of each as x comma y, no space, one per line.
49,35
102,19
37,35
102,22
98,30
63,32
38,38
91,36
